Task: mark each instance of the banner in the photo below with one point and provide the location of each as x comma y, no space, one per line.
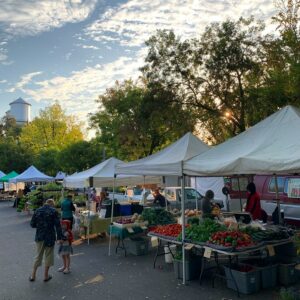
294,187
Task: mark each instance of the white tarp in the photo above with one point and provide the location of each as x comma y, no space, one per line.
103,176
32,174
167,161
60,175
1,183
271,146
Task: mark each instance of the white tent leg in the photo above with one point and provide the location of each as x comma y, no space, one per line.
183,226
89,216
277,199
112,215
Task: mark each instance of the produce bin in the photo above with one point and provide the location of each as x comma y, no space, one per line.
268,275
287,274
247,282
192,268
138,246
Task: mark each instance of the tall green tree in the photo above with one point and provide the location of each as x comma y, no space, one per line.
51,129
14,157
211,75
80,156
282,59
9,128
135,120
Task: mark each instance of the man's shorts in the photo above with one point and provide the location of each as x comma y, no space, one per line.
47,252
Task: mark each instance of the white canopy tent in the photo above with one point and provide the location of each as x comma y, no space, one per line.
32,174
270,147
103,175
2,174
60,175
167,161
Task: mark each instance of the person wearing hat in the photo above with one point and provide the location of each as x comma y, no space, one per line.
67,209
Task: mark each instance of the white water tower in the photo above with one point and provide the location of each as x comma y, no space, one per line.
21,111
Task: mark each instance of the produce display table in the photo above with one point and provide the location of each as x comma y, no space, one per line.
96,225
123,233
211,252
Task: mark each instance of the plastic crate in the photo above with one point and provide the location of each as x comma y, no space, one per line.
287,274
247,282
268,275
192,268
138,246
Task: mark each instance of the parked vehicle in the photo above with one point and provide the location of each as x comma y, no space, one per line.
288,189
192,197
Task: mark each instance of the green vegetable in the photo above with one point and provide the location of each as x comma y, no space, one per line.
156,216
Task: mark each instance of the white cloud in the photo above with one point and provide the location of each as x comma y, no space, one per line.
68,55
25,80
3,81
77,93
34,16
90,47
133,22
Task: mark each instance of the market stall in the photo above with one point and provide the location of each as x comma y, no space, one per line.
168,161
227,243
31,174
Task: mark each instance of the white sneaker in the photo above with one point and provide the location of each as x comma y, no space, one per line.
66,271
61,269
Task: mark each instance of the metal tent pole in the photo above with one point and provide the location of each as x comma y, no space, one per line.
183,223
240,195
277,199
112,215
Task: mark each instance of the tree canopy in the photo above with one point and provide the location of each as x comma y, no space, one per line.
51,129
136,119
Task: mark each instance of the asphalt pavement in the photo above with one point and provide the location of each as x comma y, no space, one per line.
95,275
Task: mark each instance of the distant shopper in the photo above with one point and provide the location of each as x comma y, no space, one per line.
159,198
65,248
19,196
207,204
67,209
48,229
253,202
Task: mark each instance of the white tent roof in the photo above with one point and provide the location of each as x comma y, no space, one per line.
167,161
103,175
2,174
30,175
60,175
271,146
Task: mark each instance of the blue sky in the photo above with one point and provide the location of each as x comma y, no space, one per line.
70,51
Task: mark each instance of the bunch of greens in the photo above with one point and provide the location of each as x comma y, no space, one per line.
156,216
202,232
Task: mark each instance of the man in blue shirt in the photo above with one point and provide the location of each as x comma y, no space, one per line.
48,229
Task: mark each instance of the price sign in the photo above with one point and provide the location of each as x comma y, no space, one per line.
154,241
207,253
188,246
130,230
271,250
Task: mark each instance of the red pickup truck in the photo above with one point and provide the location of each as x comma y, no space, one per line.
288,188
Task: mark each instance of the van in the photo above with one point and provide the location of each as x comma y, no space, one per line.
288,190
193,199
